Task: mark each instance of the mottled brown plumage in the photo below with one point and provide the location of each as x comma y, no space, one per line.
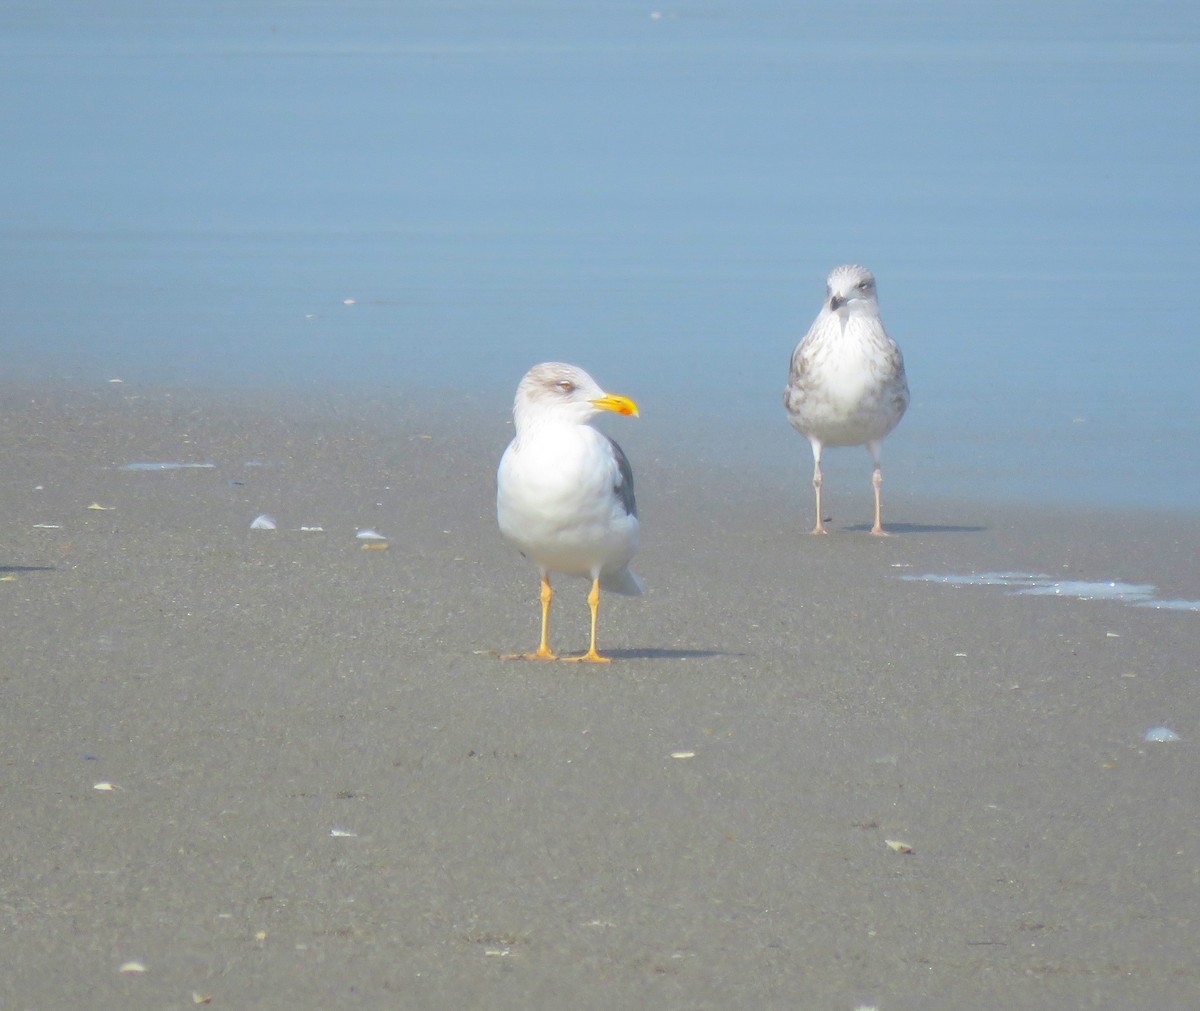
847,385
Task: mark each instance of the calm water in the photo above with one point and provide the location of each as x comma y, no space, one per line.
191,192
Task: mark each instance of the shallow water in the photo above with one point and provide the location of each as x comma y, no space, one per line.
1040,585
439,195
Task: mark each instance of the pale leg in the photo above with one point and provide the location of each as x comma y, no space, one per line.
877,483
816,449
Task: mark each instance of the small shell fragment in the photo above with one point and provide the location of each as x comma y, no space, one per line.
1161,735
370,535
132,968
683,754
8,579
376,547
105,786
263,522
101,508
342,833
898,846
201,998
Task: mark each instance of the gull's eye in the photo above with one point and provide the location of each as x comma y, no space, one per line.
864,285
566,385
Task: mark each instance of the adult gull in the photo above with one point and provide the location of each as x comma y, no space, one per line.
564,491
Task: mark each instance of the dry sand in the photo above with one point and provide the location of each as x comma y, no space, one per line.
519,835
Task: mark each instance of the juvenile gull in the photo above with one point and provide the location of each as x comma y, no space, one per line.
564,491
847,384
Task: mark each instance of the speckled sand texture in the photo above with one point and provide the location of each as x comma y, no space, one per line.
329,792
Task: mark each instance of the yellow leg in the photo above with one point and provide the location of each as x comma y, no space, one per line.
544,652
591,656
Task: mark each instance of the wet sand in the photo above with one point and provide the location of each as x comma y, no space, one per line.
328,791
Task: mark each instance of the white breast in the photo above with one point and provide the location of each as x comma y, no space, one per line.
556,501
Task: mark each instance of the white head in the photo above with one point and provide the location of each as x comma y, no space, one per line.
554,391
850,291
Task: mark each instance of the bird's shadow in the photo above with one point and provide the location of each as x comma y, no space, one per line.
919,528
635,654
27,568
666,654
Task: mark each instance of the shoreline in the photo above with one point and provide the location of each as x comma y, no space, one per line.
759,446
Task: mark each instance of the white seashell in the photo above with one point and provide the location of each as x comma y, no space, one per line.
263,522
370,535
1161,735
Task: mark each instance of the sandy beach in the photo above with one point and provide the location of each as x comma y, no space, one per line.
324,789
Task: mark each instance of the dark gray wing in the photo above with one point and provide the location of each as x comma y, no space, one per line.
624,485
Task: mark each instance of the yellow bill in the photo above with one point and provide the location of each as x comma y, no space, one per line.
613,402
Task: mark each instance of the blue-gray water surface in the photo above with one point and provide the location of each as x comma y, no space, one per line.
434,195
